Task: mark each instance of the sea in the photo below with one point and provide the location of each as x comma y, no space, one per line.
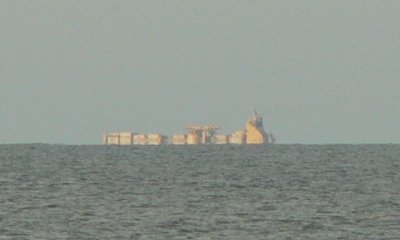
272,191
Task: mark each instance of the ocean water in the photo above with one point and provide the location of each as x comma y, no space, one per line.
200,192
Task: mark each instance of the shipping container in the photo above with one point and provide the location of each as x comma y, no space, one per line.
178,139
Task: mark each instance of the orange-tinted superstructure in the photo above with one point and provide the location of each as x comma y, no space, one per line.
255,133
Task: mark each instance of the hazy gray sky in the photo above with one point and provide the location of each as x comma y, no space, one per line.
317,71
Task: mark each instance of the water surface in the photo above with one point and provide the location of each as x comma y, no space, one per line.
200,192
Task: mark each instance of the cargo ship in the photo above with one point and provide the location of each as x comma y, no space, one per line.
254,133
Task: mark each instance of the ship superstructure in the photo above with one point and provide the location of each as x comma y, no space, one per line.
255,133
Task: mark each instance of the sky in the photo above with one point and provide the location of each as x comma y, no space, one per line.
319,72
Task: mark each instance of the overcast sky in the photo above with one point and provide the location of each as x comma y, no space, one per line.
317,71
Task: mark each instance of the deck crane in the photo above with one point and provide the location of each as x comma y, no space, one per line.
203,132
